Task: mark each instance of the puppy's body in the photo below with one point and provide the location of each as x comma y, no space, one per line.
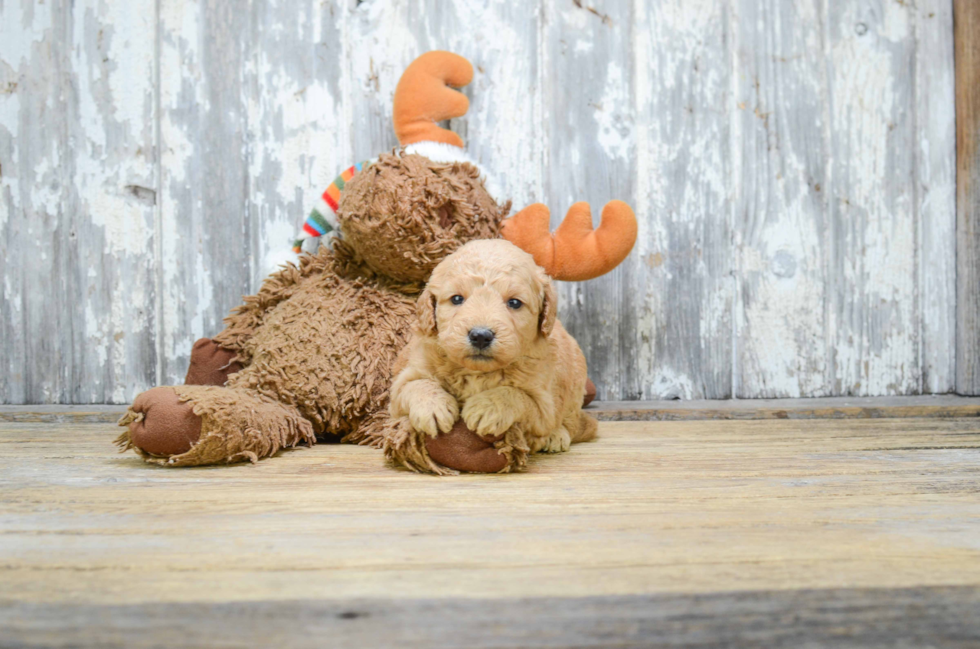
487,347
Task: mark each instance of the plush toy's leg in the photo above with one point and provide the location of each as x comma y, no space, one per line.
211,364
458,450
192,425
160,424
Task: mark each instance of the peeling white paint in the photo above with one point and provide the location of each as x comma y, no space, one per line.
11,296
9,110
936,172
868,115
615,129
681,265
24,24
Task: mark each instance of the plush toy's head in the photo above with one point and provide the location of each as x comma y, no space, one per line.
405,213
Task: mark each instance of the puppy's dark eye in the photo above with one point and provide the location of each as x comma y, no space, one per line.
514,303
457,299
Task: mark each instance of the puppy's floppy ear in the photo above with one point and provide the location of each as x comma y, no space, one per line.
549,308
425,311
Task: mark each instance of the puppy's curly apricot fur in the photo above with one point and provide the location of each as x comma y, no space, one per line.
487,348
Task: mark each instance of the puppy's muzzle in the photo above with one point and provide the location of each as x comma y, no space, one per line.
480,337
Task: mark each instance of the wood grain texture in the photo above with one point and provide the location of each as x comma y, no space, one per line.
791,166
967,23
946,405
297,134
872,260
839,618
928,406
670,508
111,274
33,144
935,194
682,268
782,135
380,44
76,227
844,279
205,228
588,116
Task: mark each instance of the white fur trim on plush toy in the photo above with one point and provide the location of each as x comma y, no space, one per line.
278,257
440,152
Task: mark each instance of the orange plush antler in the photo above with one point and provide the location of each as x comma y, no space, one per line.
575,252
423,97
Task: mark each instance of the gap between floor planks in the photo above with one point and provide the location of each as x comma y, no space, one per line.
945,405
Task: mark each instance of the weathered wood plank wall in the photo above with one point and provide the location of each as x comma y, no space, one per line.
77,217
792,165
967,20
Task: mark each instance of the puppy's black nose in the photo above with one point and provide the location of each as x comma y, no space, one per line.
481,337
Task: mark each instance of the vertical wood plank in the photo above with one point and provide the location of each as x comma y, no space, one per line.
111,253
588,120
205,260
35,361
79,196
966,19
782,139
682,288
383,42
845,264
298,136
935,186
873,314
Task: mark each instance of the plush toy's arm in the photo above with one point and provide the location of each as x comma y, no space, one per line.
575,252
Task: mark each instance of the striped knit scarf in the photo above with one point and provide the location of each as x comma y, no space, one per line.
323,219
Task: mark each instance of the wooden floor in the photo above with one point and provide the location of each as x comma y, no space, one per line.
684,533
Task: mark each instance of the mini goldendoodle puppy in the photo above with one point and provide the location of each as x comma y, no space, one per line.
488,348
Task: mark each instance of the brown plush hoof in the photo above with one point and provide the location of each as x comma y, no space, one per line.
211,364
589,392
167,427
464,450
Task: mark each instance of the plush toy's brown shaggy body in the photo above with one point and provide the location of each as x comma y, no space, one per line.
317,343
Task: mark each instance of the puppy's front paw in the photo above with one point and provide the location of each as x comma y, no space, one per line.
557,442
434,414
487,416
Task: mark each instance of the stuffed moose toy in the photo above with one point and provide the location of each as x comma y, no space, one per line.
311,355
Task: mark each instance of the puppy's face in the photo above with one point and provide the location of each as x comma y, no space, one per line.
487,304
